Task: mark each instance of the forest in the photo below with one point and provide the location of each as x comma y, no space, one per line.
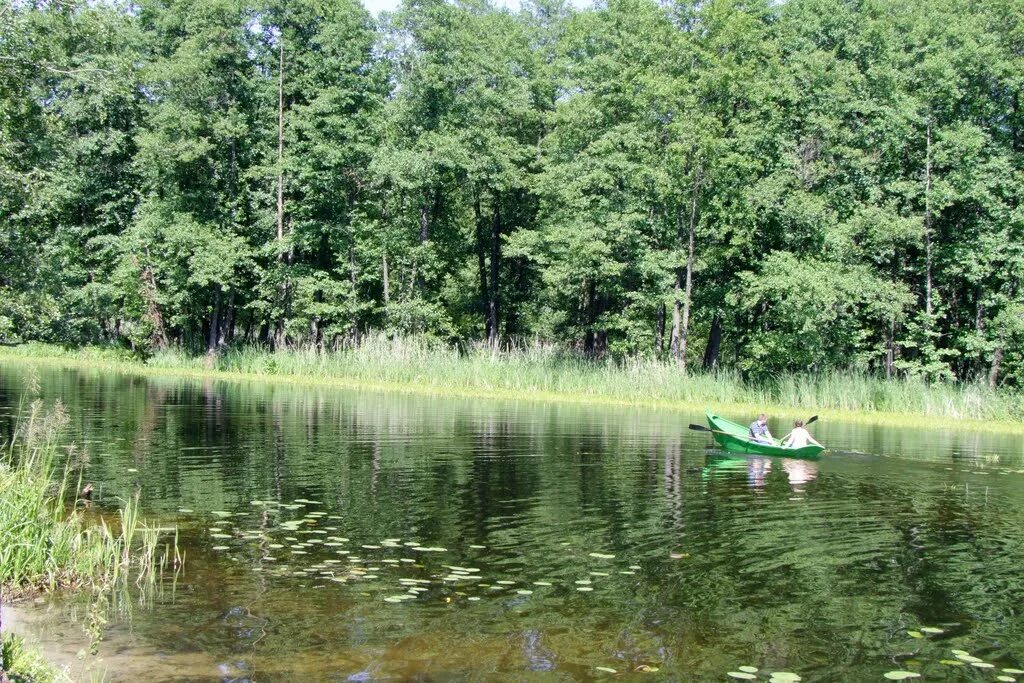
799,186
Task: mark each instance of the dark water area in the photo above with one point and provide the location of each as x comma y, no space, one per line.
336,535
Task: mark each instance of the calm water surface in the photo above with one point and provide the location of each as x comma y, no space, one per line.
347,536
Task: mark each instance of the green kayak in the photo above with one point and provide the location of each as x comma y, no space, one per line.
735,438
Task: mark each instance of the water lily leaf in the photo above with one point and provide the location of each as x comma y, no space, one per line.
901,675
602,556
606,669
219,547
931,629
971,659
960,652
785,677
915,634
524,592
1008,679
742,675
584,589
646,669
1013,671
951,662
748,669
983,665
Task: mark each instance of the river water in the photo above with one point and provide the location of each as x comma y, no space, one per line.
355,536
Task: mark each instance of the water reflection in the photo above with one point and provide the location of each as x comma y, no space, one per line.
694,562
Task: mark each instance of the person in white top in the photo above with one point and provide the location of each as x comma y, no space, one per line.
799,437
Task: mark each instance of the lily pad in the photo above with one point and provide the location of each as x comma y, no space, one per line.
951,662
931,629
602,556
915,634
606,669
1008,679
742,675
584,589
1013,671
901,675
784,677
970,659
983,665
748,669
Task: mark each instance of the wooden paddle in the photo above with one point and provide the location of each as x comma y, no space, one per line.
702,428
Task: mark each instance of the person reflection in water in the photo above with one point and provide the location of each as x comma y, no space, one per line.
799,472
757,472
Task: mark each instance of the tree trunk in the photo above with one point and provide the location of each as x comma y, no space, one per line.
481,266
890,349
928,226
997,361
659,331
149,294
282,322
227,330
688,291
588,337
425,220
211,339
494,302
714,343
280,138
683,288
386,275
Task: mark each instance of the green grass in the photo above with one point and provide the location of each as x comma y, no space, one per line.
25,665
46,541
547,373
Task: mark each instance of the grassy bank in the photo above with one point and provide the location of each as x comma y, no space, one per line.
46,541
544,374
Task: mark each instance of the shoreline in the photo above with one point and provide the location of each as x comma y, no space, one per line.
868,417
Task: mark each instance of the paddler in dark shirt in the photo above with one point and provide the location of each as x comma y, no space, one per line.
759,430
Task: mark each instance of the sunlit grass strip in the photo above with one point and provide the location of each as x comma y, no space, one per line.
546,373
47,544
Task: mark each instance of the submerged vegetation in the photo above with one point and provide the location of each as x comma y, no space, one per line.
546,372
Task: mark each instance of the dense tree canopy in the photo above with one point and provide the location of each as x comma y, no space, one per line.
805,185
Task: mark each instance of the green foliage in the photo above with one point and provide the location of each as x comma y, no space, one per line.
202,174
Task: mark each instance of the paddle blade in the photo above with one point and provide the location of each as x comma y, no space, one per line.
812,420
699,428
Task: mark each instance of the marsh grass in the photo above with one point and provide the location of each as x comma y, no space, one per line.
542,371
47,542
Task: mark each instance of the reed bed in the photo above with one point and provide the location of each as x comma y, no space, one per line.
46,540
538,370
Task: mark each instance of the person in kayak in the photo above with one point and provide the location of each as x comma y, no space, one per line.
799,437
759,430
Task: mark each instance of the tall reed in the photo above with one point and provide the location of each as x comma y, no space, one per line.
541,370
47,542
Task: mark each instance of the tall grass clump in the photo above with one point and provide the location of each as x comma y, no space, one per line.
46,540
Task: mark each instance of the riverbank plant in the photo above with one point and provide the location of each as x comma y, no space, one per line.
550,373
26,665
47,541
